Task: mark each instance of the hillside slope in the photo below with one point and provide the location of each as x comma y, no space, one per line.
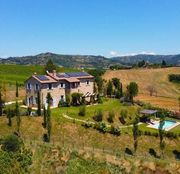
167,92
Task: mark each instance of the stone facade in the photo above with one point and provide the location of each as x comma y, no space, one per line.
57,87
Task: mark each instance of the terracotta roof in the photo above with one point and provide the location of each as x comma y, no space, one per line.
44,79
70,77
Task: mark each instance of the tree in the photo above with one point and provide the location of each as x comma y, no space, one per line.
44,117
49,125
39,104
68,100
76,98
109,88
161,133
179,102
163,64
151,89
18,118
17,89
141,63
135,130
118,87
132,90
9,116
1,104
50,66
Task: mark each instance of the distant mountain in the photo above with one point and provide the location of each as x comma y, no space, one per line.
61,60
170,59
89,61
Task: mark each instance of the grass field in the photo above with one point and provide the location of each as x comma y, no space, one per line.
167,92
100,153
12,73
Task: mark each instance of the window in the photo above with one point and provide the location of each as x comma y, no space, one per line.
49,86
36,100
37,87
87,82
62,97
73,85
28,86
61,85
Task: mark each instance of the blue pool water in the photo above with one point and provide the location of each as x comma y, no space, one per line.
167,124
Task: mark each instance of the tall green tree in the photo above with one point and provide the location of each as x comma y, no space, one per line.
49,124
17,90
118,87
50,66
9,116
17,111
18,117
109,88
38,103
161,134
44,117
1,104
135,130
163,64
132,90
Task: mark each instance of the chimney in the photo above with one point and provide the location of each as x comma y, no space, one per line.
54,72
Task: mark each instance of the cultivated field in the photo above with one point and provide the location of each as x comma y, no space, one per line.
167,92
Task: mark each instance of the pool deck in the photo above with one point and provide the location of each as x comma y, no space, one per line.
166,129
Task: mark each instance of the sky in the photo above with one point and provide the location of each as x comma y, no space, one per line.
95,27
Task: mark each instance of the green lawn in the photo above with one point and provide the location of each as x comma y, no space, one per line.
107,106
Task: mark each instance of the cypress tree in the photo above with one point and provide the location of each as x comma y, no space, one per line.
39,104
44,117
49,125
135,132
161,134
18,118
17,90
9,115
1,104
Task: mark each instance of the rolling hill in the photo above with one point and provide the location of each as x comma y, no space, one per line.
89,61
167,92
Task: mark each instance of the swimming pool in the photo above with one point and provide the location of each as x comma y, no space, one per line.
169,124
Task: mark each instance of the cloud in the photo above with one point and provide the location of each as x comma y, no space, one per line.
115,53
4,56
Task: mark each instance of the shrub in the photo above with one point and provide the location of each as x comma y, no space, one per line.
115,130
87,124
29,110
98,116
174,78
152,152
128,151
111,117
102,127
82,110
11,143
177,154
99,99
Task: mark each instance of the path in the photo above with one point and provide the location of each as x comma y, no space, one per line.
84,121
12,102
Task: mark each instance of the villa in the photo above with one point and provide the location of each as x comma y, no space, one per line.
58,85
